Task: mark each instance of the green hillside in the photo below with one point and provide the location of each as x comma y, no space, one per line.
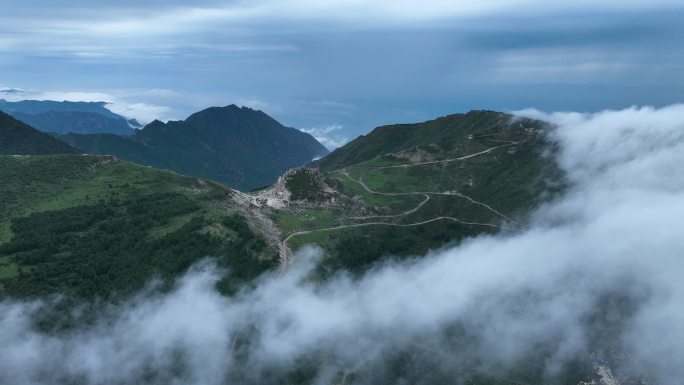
434,136
238,146
95,226
405,189
17,138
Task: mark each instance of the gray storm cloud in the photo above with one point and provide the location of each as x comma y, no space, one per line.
597,272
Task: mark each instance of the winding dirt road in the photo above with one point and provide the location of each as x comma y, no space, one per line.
451,159
285,251
424,193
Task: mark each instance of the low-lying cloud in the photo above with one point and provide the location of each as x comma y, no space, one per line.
596,277
329,136
127,103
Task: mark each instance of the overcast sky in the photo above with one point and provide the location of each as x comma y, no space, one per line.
341,67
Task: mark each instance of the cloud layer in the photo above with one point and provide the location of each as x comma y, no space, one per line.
329,136
597,274
128,103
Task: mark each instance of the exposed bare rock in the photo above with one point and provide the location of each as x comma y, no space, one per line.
305,187
413,155
258,216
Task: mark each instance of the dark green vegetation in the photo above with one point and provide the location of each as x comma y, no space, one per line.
63,117
305,185
93,226
241,147
17,138
425,186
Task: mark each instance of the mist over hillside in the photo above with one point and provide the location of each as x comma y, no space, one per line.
590,289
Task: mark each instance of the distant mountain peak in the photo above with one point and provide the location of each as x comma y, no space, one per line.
155,122
240,146
231,108
11,91
232,117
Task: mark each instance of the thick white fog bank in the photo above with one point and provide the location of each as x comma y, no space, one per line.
599,271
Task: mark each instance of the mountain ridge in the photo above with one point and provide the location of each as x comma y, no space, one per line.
394,137
66,116
18,138
239,146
